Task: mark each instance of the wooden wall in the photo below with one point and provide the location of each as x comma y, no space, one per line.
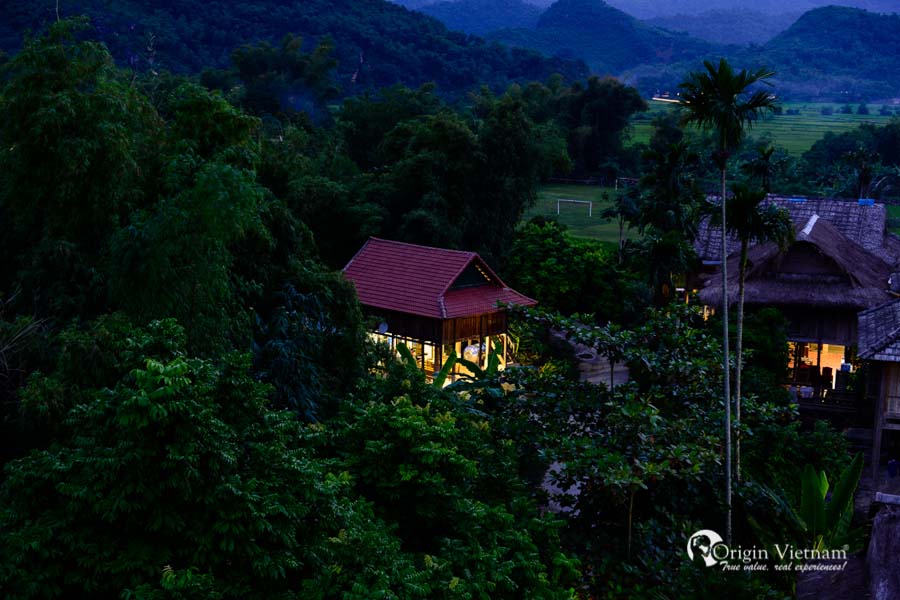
441,331
407,325
474,327
829,326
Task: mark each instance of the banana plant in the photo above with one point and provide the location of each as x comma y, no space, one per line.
445,371
827,524
440,378
482,380
817,523
479,380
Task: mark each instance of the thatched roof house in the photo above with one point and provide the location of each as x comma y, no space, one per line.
863,224
840,263
821,268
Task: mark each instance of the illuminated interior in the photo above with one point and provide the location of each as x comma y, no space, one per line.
474,350
819,366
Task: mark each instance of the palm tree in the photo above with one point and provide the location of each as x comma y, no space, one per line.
750,222
669,212
717,100
761,166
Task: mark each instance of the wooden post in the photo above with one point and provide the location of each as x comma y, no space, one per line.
819,368
879,426
439,355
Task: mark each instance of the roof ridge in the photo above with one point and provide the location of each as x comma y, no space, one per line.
378,239
882,344
886,340
890,338
810,224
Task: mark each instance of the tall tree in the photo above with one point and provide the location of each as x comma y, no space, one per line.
80,149
720,99
284,80
597,115
669,210
750,221
761,166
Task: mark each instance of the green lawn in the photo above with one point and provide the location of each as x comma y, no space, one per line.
893,213
796,133
575,216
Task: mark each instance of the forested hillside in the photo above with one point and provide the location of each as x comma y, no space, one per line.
609,40
377,43
728,26
841,50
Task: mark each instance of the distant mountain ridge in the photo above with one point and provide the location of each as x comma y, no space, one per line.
652,9
736,26
840,50
609,40
832,53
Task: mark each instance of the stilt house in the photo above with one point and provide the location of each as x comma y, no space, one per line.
433,300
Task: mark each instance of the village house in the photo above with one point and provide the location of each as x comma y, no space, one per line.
839,264
879,345
434,301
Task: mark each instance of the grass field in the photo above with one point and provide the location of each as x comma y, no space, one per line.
575,216
893,213
796,133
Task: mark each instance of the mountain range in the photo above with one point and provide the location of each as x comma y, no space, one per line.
742,26
650,9
831,53
609,40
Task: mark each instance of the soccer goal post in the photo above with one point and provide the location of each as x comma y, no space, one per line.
590,204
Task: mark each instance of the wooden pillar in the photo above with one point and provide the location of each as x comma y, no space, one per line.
504,337
819,368
879,427
797,351
439,355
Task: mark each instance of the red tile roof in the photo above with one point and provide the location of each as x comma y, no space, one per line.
416,279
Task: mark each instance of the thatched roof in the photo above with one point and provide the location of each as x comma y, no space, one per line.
859,282
879,333
863,225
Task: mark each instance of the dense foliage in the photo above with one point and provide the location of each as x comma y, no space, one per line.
637,468
843,50
376,43
189,406
158,412
573,277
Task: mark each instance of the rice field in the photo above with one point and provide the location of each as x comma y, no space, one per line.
796,133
